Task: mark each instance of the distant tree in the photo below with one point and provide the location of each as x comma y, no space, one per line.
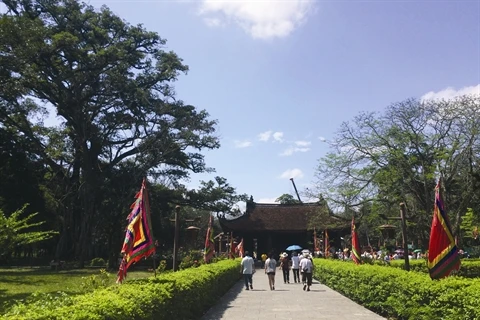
287,199
469,226
16,231
397,156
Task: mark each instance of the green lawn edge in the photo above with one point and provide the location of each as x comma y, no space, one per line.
186,294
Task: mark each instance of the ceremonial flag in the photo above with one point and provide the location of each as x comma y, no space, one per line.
355,244
327,245
138,242
443,255
316,247
231,254
209,242
240,250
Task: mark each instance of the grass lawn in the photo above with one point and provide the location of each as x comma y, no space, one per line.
19,283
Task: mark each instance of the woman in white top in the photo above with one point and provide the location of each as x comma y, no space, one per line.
295,267
270,267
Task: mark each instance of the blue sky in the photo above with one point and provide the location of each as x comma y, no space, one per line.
281,76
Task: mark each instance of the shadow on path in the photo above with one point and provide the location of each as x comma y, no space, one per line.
287,301
225,302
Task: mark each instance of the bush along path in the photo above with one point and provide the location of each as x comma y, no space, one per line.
398,294
185,294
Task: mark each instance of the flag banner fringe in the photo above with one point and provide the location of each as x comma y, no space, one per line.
443,255
138,241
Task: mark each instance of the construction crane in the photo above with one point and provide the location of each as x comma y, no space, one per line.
296,191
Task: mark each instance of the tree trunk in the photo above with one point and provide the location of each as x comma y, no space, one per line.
89,199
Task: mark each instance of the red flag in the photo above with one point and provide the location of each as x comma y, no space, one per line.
209,242
355,244
327,245
239,250
231,254
443,255
138,242
315,241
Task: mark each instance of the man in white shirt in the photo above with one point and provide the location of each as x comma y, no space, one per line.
247,268
295,267
306,266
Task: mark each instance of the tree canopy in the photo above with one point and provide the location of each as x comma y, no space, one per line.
110,85
382,159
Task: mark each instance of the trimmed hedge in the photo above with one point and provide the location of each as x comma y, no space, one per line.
469,268
397,294
185,294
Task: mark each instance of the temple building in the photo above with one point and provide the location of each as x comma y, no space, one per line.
273,227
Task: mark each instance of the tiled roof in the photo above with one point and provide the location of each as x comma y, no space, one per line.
273,217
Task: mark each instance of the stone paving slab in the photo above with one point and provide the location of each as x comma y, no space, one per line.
288,301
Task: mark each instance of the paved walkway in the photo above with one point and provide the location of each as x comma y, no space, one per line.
288,301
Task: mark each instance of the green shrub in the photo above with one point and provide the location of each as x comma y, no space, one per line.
185,294
162,266
469,268
98,262
191,259
397,294
96,281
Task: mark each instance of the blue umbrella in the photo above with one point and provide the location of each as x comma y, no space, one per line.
294,248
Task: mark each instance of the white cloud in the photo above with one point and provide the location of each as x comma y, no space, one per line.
261,19
278,136
292,173
242,143
291,150
266,200
302,143
265,136
322,139
213,22
242,206
451,93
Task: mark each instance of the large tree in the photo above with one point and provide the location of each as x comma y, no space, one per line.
110,85
397,156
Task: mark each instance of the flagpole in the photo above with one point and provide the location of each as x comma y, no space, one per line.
153,258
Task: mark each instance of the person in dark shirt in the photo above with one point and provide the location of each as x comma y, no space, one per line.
285,266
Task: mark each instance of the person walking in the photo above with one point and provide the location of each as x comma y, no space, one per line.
295,267
270,267
306,266
247,267
264,258
302,256
285,266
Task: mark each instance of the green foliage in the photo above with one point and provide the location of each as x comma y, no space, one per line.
193,258
287,199
162,266
470,221
398,294
469,268
31,285
96,281
98,262
186,294
16,231
397,155
111,85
